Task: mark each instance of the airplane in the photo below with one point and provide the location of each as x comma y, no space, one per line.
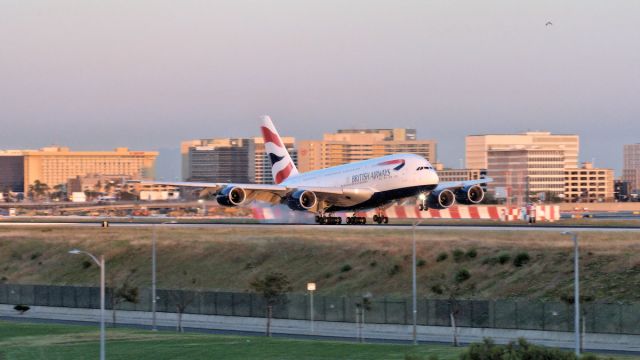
363,185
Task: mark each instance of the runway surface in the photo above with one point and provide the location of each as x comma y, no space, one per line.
290,227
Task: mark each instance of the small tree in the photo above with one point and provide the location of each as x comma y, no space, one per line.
182,299
123,293
362,307
453,291
274,288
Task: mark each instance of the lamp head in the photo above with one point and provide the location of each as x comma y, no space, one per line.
74,251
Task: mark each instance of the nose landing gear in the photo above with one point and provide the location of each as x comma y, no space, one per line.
424,205
380,219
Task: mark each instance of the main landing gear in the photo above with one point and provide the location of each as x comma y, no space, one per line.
329,220
356,220
380,219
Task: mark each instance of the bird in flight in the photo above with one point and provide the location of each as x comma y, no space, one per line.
549,23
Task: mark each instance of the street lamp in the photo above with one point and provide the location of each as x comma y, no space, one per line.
100,263
413,283
311,287
576,290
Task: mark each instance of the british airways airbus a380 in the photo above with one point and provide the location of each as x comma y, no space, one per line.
370,184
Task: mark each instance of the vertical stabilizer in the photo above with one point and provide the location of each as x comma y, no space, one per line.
282,166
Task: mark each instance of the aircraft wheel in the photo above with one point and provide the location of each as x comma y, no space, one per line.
339,220
322,220
376,218
385,220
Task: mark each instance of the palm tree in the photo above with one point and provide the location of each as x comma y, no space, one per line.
38,189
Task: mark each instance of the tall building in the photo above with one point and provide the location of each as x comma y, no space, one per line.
11,171
346,146
262,163
56,165
221,160
477,147
588,184
516,171
631,167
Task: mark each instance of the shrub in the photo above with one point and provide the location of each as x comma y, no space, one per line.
462,275
521,259
520,350
328,275
471,254
394,269
421,262
345,268
86,264
21,308
457,254
373,263
442,257
35,255
437,289
504,258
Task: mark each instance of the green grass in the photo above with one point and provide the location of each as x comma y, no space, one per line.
52,341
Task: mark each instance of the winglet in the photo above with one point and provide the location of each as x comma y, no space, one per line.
282,166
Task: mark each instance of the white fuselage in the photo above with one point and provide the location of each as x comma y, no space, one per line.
385,178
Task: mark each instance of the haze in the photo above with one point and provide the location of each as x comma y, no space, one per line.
148,74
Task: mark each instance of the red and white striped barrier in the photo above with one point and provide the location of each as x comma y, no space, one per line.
488,212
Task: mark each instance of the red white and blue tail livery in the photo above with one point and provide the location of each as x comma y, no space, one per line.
370,184
282,166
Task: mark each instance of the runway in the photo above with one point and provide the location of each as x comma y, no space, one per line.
331,228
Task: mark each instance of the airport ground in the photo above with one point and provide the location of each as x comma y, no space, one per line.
341,260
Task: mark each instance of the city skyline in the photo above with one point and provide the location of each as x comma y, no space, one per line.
147,75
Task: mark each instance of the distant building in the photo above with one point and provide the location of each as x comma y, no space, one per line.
631,166
588,184
461,174
621,190
347,146
477,147
220,160
525,173
11,171
56,165
97,183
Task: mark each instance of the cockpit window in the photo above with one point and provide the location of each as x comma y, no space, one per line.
424,168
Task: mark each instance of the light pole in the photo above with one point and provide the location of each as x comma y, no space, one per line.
100,263
154,297
576,290
311,287
413,283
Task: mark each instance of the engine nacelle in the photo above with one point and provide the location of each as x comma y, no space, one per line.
302,200
231,196
441,199
470,194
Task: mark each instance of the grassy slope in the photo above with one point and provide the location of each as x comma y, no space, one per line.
229,258
47,341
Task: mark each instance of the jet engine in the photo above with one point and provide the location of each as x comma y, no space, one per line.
231,196
302,200
441,199
470,194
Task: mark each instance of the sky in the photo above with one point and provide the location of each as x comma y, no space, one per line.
147,74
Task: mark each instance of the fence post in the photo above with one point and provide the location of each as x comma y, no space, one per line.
515,303
544,315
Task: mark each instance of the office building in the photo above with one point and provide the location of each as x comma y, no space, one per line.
11,171
447,175
631,166
56,165
220,160
588,184
522,174
477,147
346,146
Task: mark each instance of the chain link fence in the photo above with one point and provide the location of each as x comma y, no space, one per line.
611,318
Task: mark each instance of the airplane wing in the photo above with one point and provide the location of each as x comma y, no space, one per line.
460,184
275,194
